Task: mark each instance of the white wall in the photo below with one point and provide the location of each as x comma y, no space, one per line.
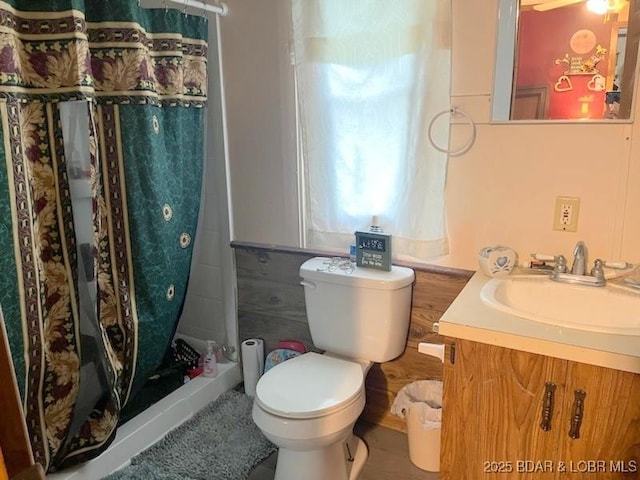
210,309
502,191
261,117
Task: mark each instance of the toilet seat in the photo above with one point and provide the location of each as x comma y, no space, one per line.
310,386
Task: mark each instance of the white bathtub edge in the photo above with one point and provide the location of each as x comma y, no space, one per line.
154,423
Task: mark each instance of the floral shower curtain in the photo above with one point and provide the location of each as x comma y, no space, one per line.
143,73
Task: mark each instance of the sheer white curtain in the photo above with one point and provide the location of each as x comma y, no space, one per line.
371,75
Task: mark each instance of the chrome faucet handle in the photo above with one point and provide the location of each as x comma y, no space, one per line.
598,269
561,264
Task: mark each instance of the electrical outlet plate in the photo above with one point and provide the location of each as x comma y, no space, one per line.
565,214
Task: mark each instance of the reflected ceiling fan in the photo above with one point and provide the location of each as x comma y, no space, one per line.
597,6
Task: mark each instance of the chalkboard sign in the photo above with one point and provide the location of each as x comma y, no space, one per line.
373,250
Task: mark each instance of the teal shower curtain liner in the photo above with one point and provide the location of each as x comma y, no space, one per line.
166,180
144,75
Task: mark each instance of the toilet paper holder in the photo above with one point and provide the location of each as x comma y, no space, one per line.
432,349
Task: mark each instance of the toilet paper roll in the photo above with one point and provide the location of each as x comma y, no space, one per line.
252,351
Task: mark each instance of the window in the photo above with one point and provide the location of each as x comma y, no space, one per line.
369,81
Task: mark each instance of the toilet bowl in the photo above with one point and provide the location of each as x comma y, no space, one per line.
307,406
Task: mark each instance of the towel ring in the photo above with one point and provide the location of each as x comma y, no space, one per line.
467,146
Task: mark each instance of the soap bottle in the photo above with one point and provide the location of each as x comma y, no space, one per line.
210,368
374,227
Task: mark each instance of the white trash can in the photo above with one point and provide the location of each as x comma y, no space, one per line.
420,403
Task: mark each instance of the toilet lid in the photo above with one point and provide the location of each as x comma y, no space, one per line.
311,385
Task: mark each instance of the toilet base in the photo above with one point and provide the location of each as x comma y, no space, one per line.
359,455
340,461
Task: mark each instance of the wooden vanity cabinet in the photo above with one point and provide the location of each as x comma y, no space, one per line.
495,400
610,429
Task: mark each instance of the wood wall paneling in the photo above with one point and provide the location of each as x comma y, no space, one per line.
271,307
270,297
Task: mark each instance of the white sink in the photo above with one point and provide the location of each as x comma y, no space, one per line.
609,309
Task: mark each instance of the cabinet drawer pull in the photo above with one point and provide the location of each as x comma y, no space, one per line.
547,406
578,412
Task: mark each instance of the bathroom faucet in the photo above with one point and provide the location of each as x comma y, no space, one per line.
578,265
578,273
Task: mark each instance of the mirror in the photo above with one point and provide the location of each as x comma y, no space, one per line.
566,60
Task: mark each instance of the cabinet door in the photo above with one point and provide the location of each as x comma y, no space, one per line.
492,409
608,446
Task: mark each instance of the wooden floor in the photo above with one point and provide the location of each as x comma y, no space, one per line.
388,457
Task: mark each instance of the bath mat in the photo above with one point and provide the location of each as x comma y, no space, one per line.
220,442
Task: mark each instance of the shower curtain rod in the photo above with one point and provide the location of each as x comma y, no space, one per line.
221,9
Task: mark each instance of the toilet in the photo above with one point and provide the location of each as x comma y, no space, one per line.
308,405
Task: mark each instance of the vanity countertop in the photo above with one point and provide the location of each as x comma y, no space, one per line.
469,318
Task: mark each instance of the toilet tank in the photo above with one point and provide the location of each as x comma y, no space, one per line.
357,312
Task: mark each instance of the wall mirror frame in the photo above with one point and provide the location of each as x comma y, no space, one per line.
586,74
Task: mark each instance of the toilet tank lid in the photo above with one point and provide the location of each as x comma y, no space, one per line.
321,269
